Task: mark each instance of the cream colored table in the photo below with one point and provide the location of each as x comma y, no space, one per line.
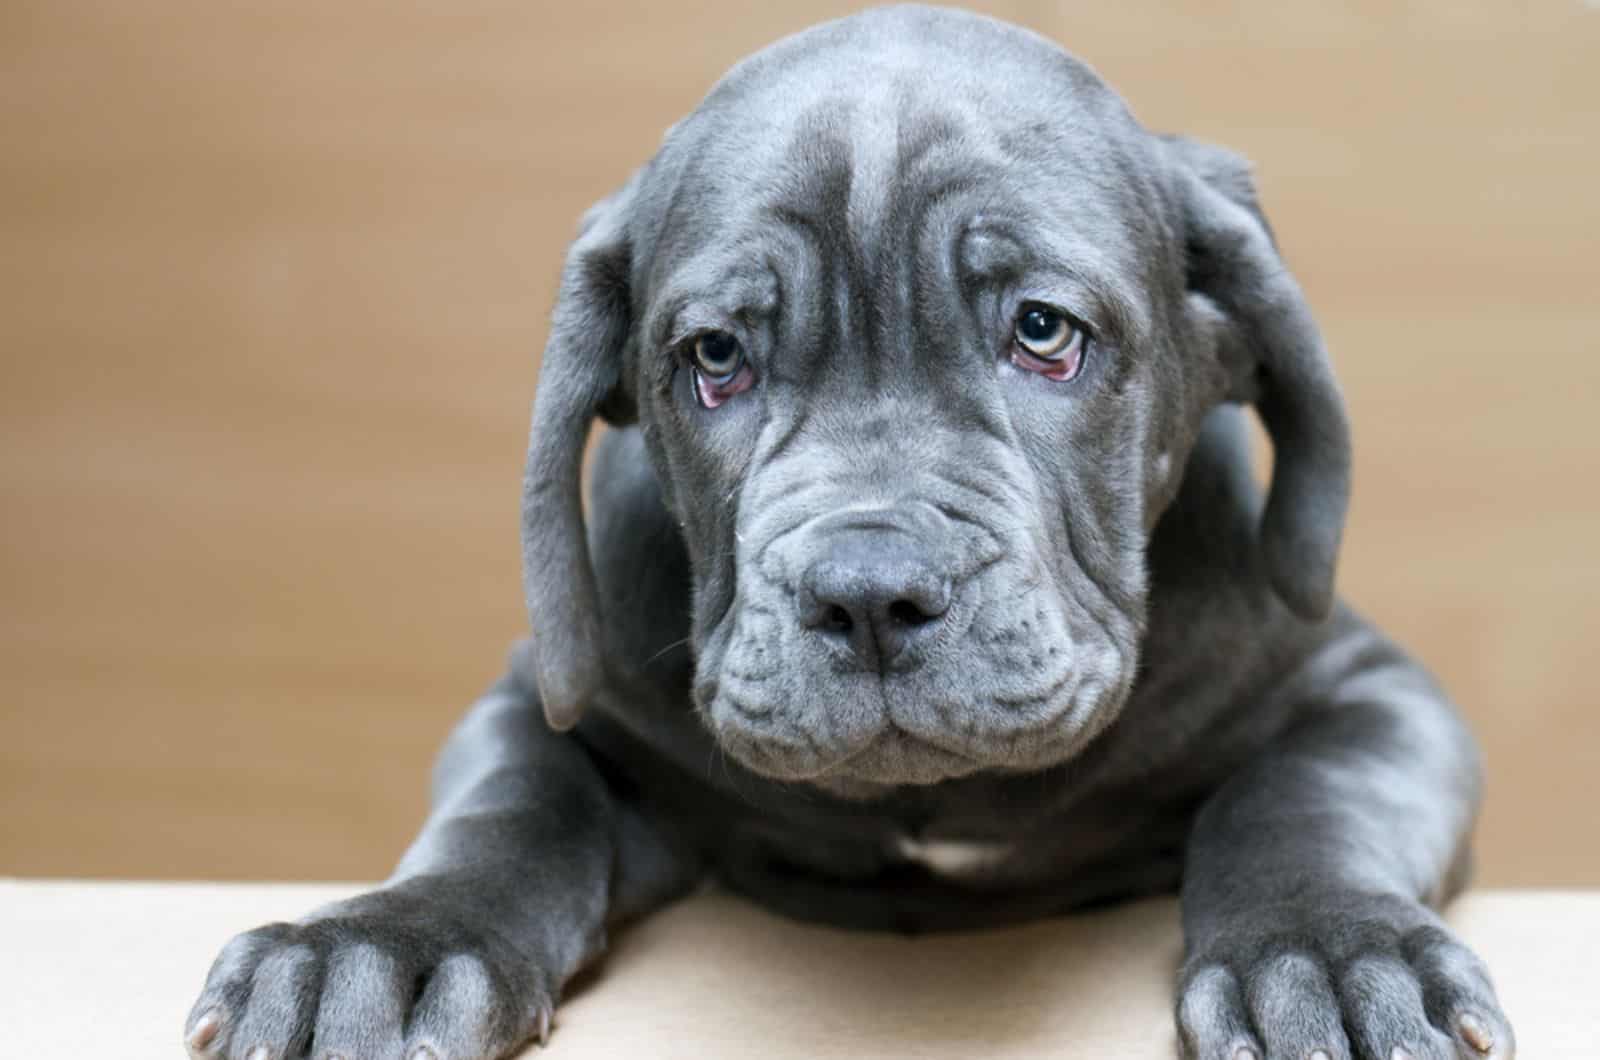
109,969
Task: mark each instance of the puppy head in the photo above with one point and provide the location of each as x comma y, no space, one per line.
920,327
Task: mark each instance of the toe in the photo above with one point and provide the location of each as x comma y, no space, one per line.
1212,1024
463,1012
277,1021
1458,996
1384,1014
363,1008
209,1030
1294,1010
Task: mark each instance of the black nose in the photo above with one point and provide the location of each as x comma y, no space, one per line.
876,591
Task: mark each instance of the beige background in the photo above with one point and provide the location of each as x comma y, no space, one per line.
273,277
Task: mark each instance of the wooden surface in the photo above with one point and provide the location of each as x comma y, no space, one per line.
714,977
273,278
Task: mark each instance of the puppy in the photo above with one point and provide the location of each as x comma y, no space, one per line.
926,586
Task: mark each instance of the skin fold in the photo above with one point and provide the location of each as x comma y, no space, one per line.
897,626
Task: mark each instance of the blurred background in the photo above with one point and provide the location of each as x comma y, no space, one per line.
273,280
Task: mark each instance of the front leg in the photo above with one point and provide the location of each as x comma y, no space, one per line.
1312,880
462,953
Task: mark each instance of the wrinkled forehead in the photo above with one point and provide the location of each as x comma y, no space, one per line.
866,154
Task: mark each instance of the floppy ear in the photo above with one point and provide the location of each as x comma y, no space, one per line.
580,377
1275,357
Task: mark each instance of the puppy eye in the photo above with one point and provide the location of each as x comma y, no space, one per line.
720,368
1049,342
718,355
1046,333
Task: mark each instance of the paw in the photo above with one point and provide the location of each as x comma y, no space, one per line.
383,977
1349,980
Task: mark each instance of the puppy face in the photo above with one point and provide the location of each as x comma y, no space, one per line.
911,327
901,382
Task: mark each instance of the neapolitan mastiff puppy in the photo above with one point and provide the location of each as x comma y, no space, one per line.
926,587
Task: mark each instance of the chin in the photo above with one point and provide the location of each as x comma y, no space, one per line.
896,758
892,760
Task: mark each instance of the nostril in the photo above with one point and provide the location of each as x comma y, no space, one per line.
871,593
907,613
838,620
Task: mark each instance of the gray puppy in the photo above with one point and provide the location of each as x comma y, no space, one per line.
927,586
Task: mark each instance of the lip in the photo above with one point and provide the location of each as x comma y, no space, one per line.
880,757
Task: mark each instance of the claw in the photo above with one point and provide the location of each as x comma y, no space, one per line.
205,1030
1476,1032
544,1027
